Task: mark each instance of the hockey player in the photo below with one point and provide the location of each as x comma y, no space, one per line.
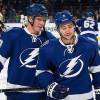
22,46
64,65
88,26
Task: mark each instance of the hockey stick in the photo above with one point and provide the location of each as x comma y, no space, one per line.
21,89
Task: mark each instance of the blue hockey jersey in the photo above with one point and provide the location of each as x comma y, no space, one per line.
87,24
88,27
70,65
22,47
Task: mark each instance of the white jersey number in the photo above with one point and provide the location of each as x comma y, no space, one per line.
89,24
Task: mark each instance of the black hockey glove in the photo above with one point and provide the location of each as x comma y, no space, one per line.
57,91
97,94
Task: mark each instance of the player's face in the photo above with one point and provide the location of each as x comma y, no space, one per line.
67,30
38,24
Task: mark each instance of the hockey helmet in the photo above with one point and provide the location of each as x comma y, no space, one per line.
63,17
36,10
89,13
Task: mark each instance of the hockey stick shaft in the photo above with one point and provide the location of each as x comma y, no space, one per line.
20,89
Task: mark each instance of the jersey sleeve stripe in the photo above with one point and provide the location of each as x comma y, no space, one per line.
2,60
94,69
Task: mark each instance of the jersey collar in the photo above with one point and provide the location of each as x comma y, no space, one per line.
26,30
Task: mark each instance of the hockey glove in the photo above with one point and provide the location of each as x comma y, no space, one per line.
97,94
57,91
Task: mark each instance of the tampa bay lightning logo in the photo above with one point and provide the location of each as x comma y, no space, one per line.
28,57
71,67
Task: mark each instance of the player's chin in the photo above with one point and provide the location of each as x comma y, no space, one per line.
38,30
68,37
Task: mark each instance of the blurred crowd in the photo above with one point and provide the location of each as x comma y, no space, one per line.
13,11
9,13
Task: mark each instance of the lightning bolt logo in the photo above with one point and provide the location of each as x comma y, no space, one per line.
70,67
31,57
71,64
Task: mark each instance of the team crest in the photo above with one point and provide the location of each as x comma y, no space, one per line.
28,57
71,67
